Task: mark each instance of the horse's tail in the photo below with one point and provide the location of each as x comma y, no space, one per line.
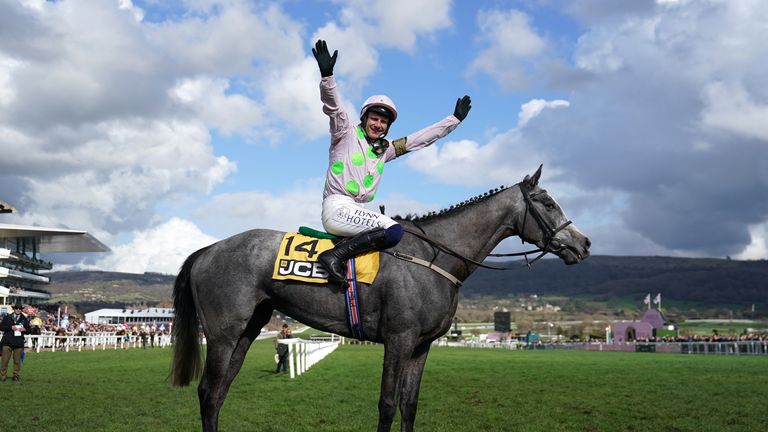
187,357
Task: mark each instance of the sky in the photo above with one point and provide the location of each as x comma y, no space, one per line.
163,126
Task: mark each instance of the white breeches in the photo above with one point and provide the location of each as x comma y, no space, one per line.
342,216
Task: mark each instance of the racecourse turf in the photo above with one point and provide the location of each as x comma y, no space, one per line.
463,390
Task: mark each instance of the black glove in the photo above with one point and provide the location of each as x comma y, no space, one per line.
324,59
463,105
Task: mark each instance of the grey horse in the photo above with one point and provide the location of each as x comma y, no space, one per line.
228,288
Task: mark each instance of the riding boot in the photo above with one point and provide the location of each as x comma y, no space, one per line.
334,260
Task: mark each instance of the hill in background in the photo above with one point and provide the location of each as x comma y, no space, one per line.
699,280
107,289
603,285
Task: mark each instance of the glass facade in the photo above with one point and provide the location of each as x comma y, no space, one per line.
21,267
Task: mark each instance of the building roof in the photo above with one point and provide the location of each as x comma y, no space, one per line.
144,313
654,317
6,208
55,239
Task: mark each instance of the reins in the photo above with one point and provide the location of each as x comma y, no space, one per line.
450,251
548,234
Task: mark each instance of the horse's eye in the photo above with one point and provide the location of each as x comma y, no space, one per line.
549,206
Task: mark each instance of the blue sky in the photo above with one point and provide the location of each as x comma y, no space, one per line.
162,126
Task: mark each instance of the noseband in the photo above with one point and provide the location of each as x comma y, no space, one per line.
547,232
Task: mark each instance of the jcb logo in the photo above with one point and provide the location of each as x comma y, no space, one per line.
302,268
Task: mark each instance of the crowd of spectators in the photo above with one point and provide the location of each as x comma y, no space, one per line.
47,319
714,338
53,320
513,338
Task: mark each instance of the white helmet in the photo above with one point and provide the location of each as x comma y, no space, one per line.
380,104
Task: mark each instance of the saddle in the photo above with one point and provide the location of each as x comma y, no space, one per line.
298,252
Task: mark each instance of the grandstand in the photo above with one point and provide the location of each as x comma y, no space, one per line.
21,261
130,316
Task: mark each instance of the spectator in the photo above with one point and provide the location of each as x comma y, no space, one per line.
13,327
36,326
61,339
82,329
152,334
282,349
143,335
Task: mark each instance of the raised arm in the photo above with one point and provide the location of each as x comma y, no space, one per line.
339,122
432,133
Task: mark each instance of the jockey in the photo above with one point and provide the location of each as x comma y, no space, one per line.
357,156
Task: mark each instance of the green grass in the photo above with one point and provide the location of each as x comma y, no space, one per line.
723,327
462,390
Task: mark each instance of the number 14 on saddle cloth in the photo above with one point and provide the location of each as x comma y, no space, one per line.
297,260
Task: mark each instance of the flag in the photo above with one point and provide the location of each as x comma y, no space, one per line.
657,299
647,299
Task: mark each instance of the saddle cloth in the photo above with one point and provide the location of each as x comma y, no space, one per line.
297,260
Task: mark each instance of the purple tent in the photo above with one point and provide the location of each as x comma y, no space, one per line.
628,331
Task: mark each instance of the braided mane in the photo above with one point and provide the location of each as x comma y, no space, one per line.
433,214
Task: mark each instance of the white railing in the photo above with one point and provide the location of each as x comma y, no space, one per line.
511,345
92,341
304,354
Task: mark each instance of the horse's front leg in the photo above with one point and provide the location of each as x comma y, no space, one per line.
397,352
411,381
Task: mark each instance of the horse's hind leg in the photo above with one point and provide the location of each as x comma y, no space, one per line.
409,392
223,362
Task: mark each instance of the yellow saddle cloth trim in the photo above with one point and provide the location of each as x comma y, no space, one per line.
297,260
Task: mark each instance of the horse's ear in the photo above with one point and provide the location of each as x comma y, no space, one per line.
534,181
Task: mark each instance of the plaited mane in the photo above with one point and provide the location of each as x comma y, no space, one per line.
433,214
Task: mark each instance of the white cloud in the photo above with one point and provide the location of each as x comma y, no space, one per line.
598,54
208,99
231,213
7,66
758,246
111,176
138,13
33,4
231,39
466,162
534,107
161,249
728,107
103,116
396,23
294,96
511,43
505,158
675,101
364,28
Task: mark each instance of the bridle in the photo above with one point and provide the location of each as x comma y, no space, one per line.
548,235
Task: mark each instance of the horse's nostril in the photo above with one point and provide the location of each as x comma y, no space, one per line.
589,243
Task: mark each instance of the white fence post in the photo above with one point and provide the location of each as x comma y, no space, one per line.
303,354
